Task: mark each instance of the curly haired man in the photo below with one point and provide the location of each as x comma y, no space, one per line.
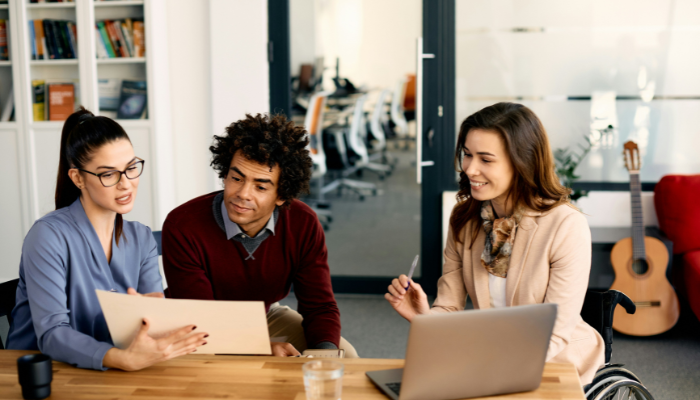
254,240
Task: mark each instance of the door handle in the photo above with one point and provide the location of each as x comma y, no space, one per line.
420,56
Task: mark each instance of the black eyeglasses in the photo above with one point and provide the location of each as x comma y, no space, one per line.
112,177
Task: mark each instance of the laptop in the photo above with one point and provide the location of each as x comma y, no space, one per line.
471,354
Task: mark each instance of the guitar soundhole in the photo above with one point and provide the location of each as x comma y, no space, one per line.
640,267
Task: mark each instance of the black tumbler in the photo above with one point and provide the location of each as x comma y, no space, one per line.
35,375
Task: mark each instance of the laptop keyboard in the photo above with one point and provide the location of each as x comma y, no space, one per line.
394,386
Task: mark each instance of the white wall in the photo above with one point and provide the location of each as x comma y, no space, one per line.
375,40
218,72
191,96
582,48
239,71
302,29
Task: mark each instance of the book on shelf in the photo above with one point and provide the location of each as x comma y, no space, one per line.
53,39
133,100
61,101
39,99
139,39
119,38
109,92
4,49
8,110
38,40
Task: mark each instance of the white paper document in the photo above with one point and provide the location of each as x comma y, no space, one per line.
234,327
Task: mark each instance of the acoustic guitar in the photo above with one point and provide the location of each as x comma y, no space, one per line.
640,269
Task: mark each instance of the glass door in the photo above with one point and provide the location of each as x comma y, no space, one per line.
360,58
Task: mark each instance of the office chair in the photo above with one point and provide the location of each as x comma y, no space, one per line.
376,126
397,112
357,137
361,162
612,381
8,295
314,126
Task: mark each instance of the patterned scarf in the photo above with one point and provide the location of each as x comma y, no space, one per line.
500,236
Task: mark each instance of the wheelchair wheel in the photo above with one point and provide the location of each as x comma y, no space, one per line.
612,370
620,389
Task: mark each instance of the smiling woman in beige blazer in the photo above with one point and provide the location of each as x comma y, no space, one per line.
538,246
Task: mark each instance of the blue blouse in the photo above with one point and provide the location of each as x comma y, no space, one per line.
57,310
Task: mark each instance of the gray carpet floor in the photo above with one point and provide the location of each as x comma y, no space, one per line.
380,235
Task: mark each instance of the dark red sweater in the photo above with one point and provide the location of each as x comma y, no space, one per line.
200,263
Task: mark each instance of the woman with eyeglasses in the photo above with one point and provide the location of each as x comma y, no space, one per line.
86,245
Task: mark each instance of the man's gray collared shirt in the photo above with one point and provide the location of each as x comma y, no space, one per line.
233,231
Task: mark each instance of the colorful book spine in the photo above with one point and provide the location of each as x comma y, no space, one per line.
122,41
67,33
61,28
114,37
72,35
139,39
50,39
4,49
125,34
100,49
105,39
40,40
38,100
32,38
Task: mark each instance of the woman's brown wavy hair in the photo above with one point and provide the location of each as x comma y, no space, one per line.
535,183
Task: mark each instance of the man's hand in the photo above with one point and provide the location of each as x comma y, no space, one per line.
283,349
133,292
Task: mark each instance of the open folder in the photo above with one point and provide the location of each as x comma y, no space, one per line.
234,327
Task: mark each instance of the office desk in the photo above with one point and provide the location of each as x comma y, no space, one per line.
209,377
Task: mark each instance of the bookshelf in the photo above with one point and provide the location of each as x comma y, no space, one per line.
36,6
29,150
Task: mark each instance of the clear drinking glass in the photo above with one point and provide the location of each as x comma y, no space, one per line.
323,380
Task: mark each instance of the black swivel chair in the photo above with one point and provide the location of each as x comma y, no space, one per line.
157,235
8,292
613,381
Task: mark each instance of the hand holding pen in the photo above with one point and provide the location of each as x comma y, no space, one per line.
410,272
406,296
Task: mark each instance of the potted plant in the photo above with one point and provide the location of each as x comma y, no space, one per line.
567,160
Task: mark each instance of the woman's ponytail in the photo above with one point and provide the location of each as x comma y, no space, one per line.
83,134
66,191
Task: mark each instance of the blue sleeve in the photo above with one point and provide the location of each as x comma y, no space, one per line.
149,275
45,260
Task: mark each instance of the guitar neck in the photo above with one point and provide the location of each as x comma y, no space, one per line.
639,250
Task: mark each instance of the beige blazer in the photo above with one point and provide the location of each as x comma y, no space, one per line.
550,263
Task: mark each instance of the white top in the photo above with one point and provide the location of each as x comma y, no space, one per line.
497,289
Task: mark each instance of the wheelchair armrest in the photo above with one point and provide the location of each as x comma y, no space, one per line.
617,297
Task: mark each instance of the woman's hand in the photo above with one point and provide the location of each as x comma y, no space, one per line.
133,292
145,351
408,303
281,349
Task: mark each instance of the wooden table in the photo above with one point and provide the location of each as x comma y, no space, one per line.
235,377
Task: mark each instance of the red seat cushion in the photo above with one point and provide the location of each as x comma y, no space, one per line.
677,203
691,277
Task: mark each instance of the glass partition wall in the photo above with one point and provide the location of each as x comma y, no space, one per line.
609,71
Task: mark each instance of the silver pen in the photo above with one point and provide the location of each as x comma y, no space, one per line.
413,268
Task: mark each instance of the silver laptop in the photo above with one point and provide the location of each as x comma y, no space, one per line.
471,354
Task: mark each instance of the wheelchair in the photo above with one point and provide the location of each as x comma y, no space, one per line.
613,381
